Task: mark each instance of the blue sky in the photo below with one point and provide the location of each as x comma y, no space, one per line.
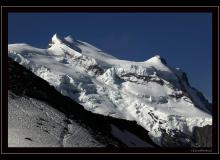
183,39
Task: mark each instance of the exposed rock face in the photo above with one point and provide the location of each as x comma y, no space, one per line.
202,136
176,139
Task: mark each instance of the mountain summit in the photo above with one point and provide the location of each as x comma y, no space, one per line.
157,97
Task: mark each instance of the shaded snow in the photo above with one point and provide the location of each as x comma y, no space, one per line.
128,138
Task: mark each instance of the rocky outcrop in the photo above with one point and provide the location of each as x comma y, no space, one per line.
202,136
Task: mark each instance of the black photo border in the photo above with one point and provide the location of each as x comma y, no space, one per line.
214,10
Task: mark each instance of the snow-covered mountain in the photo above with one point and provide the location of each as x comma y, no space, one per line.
158,97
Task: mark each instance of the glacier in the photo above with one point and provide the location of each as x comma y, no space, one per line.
158,97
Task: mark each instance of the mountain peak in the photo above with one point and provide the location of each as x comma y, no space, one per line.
157,59
157,56
55,39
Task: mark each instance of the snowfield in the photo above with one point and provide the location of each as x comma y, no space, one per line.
156,96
